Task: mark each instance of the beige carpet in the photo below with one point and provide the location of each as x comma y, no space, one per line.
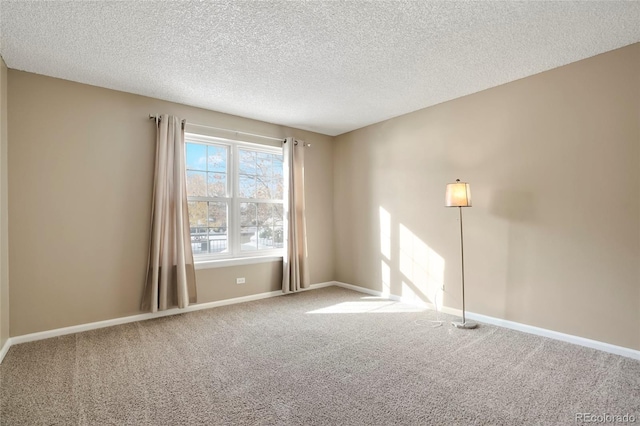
323,357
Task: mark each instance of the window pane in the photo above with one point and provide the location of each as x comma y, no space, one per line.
278,237
278,215
217,184
263,164
265,240
218,237
277,184
268,234
197,224
247,162
265,214
218,240
217,215
247,187
217,158
276,188
248,238
279,210
277,165
196,184
263,187
247,214
197,214
196,156
199,243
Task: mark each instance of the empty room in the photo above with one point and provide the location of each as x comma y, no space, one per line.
319,212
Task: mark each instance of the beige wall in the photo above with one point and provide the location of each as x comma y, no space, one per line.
81,166
4,232
553,237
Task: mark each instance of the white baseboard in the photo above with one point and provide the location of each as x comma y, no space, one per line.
321,285
133,318
32,337
5,349
570,338
576,340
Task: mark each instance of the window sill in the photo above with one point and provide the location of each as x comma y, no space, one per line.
221,263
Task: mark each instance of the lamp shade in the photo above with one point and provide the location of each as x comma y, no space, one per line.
458,194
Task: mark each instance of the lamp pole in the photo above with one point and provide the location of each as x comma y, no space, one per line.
462,264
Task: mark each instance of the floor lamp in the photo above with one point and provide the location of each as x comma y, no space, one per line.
459,195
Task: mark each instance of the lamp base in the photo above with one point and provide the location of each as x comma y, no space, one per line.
467,324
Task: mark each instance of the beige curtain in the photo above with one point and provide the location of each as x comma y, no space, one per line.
295,274
170,273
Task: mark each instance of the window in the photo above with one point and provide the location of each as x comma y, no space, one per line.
235,195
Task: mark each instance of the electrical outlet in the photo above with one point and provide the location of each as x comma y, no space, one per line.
239,280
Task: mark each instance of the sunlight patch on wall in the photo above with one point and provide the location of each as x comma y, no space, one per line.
385,273
410,296
385,250
385,233
422,266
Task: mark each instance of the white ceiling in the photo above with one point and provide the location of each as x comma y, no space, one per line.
326,66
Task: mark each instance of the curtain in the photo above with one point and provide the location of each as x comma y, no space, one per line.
295,274
170,271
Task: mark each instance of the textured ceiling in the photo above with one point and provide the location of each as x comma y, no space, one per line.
325,66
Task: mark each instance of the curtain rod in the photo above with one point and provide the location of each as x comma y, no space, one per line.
158,117
153,117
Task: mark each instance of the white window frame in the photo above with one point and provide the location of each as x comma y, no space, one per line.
234,254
